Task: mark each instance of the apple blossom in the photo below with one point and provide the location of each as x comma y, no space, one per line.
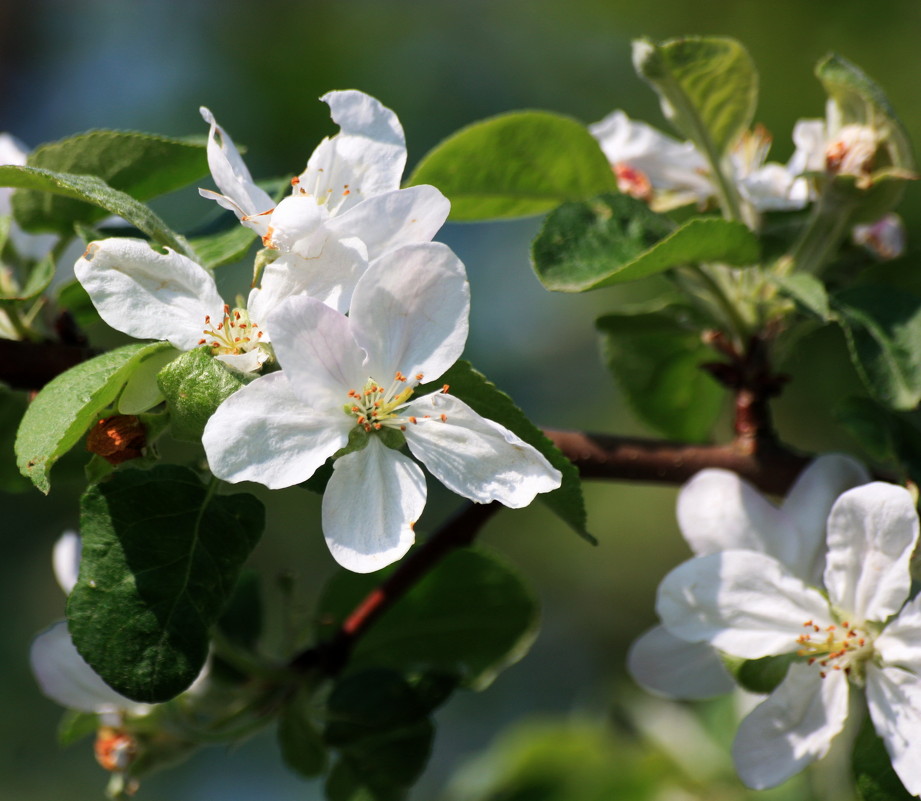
856,638
347,200
352,378
717,511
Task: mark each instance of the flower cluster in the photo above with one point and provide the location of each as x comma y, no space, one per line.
762,586
346,241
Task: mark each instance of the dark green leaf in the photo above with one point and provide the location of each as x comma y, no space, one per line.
40,275
883,331
194,385
487,400
808,292
763,675
74,298
300,742
138,164
470,615
93,190
63,411
75,726
888,437
656,359
161,555
223,247
241,620
709,87
873,773
514,165
617,238
13,406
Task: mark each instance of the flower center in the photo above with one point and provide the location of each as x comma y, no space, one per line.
853,152
632,181
235,334
836,647
375,407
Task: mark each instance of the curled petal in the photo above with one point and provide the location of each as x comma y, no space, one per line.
664,664
894,699
264,433
240,193
899,644
410,311
475,457
872,531
370,506
744,603
147,294
66,560
792,728
66,678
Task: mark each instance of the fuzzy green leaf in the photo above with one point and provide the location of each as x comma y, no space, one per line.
63,411
616,238
223,247
515,165
161,555
873,773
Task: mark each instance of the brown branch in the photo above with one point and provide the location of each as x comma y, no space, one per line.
31,365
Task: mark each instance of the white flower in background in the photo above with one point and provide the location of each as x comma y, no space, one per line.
885,238
859,637
346,207
825,145
666,173
356,375
166,296
31,246
61,672
718,511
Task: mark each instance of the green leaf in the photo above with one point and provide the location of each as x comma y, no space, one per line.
194,385
13,406
223,247
808,292
93,190
74,298
765,674
656,359
873,773
883,331
138,164
75,726
40,276
888,437
709,88
63,411
515,165
161,555
241,620
487,400
301,745
470,615
616,238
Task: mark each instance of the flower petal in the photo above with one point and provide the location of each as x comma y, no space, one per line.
744,603
793,727
899,644
147,294
264,433
872,531
364,159
66,678
316,347
662,663
392,219
410,311
296,222
894,699
66,560
370,506
476,457
240,193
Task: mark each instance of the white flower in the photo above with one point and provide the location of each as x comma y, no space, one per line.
356,375
884,238
61,672
829,146
717,511
347,201
167,296
750,605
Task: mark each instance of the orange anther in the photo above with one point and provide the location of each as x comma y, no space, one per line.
444,418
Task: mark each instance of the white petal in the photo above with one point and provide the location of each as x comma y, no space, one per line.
142,391
744,603
392,219
66,560
315,346
410,311
264,433
809,136
249,361
872,531
364,159
664,664
899,644
476,457
370,506
894,699
295,223
793,727
149,295
773,187
66,678
330,277
240,193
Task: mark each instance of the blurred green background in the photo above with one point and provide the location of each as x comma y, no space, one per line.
440,64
